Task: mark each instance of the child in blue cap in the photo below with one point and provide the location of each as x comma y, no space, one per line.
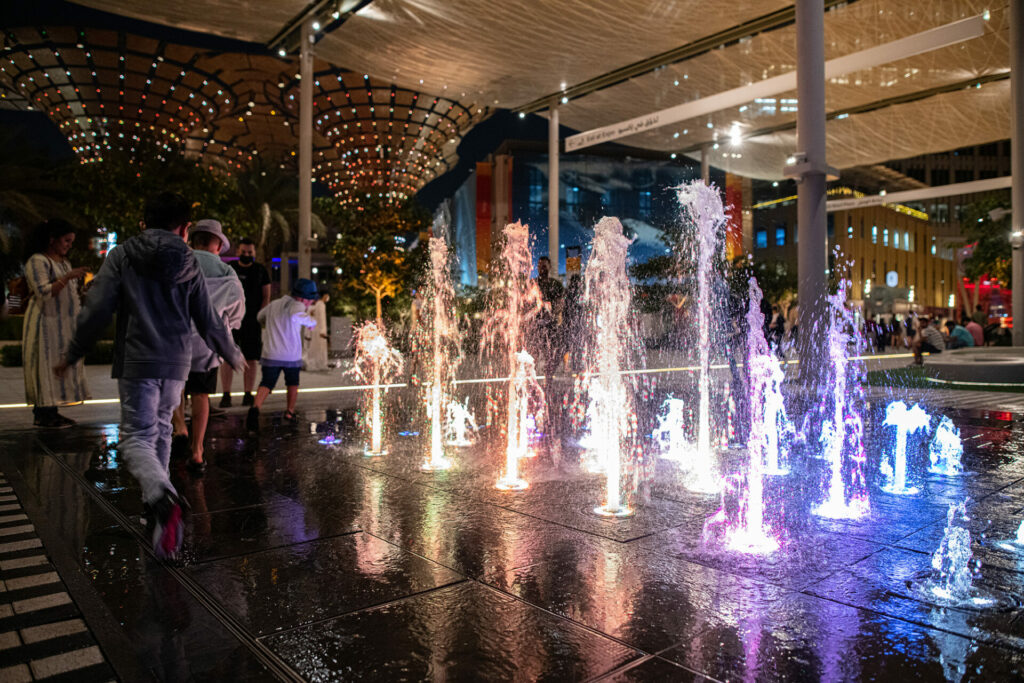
282,322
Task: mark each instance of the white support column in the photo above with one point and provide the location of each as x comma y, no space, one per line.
1017,162
811,171
705,164
553,152
306,150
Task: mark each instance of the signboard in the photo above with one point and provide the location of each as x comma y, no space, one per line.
918,43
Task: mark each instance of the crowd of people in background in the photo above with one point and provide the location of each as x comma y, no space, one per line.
928,334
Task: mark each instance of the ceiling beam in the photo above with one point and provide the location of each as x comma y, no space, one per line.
954,190
329,13
976,82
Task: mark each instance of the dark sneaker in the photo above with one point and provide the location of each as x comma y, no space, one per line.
252,419
166,525
54,422
248,399
196,467
62,421
225,400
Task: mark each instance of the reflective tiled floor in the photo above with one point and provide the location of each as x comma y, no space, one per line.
317,560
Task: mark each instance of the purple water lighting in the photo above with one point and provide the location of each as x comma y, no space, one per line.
748,532
842,432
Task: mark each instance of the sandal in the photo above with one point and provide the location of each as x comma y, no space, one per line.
289,416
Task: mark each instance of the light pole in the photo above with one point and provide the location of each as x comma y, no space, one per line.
1016,30
1017,310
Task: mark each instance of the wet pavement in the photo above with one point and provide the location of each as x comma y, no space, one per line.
310,561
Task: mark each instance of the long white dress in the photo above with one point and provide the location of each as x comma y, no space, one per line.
49,324
316,346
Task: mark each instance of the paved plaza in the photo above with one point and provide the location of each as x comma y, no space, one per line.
311,561
622,341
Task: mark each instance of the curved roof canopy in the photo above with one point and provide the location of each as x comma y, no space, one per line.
105,88
617,59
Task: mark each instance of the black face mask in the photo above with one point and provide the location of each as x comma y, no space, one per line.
246,260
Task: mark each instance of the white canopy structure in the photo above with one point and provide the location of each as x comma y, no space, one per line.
593,63
521,53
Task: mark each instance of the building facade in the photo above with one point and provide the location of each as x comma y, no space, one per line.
890,254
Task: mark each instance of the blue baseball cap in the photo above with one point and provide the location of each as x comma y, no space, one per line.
305,289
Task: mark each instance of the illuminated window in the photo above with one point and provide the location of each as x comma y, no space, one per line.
644,204
874,234
572,196
761,239
536,197
885,237
849,232
780,237
906,241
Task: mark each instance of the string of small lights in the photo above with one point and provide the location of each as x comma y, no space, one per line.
110,89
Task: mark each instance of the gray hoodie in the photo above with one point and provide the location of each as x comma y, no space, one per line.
227,299
155,286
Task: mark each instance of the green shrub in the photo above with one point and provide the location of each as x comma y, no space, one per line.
10,355
102,353
10,328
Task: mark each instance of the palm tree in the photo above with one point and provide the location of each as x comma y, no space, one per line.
269,201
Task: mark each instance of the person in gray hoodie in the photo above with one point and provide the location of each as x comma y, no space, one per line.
228,299
154,285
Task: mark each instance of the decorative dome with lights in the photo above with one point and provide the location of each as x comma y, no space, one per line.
106,88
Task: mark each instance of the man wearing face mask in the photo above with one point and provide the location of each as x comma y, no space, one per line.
256,285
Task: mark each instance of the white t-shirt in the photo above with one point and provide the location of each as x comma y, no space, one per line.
282,322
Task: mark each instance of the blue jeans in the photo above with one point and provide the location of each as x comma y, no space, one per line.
146,407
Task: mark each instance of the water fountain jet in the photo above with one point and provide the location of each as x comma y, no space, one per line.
842,432
517,301
702,205
749,533
376,362
441,351
951,580
607,296
907,421
461,422
525,395
946,450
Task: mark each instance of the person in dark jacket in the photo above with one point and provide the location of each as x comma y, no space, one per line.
155,286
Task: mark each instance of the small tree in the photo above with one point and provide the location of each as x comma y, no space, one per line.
991,254
375,246
381,276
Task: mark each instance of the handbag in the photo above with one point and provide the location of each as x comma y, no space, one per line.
18,296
